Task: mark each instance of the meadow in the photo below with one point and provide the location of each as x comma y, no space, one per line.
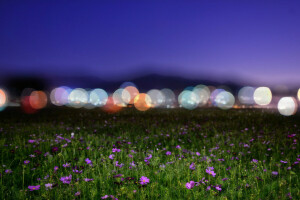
64,153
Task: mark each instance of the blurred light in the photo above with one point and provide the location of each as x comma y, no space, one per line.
127,84
245,95
214,94
142,102
188,99
78,98
203,92
110,106
287,106
157,98
38,99
224,100
98,97
170,98
262,96
132,91
25,104
59,96
298,95
3,99
120,97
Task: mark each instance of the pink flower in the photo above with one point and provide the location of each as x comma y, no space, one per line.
144,180
218,188
32,187
190,185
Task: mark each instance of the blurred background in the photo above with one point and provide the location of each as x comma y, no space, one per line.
113,51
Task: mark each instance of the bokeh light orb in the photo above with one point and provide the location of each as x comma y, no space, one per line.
262,96
157,98
170,98
120,97
225,100
214,94
298,95
59,96
132,91
142,102
188,99
98,97
110,106
26,106
287,106
78,98
3,99
246,95
203,92
38,99
127,84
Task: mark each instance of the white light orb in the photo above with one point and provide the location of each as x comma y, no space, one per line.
98,97
78,98
119,95
287,106
203,92
157,98
170,98
262,96
224,100
246,95
188,99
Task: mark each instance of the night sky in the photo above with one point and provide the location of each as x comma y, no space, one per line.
249,40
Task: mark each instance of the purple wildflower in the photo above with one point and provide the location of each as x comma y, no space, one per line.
144,180
116,150
32,187
66,165
88,161
66,179
218,188
274,173
168,153
111,156
210,171
8,171
48,186
190,185
77,193
26,162
192,166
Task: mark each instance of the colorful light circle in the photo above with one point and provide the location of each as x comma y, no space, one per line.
142,102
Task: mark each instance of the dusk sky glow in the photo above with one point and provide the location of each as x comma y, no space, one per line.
253,40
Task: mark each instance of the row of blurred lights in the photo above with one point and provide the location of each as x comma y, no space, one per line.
128,95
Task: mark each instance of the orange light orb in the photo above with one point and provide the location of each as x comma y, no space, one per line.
3,98
142,102
133,91
38,99
110,106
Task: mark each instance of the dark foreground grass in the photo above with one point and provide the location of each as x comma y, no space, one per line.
254,154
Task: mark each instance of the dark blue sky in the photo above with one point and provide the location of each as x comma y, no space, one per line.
250,40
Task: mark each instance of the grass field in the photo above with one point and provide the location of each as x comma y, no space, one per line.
62,153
